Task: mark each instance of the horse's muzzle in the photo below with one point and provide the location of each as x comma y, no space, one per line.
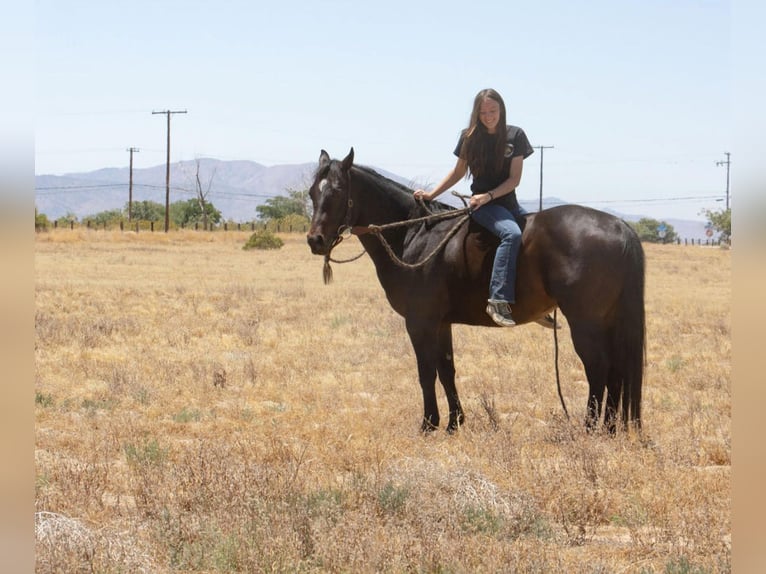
317,243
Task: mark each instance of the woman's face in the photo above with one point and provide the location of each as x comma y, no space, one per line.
489,114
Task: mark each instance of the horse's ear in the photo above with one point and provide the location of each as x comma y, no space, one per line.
348,160
324,159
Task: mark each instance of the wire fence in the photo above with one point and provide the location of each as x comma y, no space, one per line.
253,226
159,226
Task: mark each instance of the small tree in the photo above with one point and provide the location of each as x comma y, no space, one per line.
202,197
189,212
67,219
647,230
296,202
721,222
109,216
41,221
147,211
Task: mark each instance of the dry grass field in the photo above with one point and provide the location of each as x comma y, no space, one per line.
200,408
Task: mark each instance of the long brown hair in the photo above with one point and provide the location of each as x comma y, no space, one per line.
482,150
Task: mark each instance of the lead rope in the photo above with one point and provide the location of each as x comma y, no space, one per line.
556,360
377,231
327,270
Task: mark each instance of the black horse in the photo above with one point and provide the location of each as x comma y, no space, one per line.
588,263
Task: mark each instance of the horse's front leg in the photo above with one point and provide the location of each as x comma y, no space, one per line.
424,341
445,366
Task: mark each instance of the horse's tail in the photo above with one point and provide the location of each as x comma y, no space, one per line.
629,335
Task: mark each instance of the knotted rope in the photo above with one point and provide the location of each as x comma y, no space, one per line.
378,230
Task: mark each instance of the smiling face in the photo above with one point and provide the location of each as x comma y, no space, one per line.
489,114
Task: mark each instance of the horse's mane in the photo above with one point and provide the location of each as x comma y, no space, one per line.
396,187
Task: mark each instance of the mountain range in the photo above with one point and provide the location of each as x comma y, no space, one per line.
236,188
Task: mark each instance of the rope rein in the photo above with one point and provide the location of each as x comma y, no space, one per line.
378,230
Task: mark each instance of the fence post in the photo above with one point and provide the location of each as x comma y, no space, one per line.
152,222
121,225
55,224
136,227
225,226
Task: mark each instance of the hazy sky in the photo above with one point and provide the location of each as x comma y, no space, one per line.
635,96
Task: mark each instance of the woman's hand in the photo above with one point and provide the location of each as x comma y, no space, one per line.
479,199
422,194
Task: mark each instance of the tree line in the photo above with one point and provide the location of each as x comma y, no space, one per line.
648,229
293,211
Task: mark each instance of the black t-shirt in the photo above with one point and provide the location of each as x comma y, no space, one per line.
518,145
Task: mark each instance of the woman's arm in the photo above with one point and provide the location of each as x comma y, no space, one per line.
514,178
455,174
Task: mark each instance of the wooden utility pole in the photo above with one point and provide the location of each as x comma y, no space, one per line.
727,163
130,184
167,169
542,148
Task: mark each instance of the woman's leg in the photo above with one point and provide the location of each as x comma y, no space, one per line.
501,223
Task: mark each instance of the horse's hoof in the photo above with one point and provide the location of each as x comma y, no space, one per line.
427,427
455,422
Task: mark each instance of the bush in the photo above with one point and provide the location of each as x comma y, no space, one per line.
41,221
263,239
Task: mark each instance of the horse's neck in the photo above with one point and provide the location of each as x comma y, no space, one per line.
380,204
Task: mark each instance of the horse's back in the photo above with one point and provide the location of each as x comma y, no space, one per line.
576,228
571,256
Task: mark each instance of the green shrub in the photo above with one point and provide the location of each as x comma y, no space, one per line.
41,221
263,239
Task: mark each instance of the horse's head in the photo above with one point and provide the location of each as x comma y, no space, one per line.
331,199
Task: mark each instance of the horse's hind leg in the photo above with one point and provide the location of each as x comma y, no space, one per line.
590,343
445,365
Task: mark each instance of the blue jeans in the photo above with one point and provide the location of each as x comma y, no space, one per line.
501,223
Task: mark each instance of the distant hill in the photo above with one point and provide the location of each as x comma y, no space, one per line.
236,189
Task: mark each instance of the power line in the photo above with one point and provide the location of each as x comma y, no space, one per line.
72,187
60,190
654,200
